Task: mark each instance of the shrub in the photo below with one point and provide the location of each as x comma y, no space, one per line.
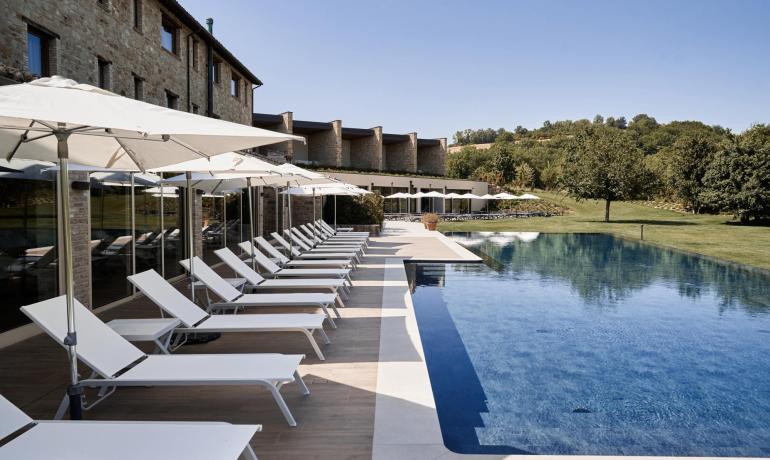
356,210
430,218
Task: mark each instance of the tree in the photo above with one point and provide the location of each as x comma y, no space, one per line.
598,120
738,177
550,175
502,165
462,164
604,163
689,159
525,176
520,131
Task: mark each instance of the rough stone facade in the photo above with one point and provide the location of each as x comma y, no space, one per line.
401,156
83,31
366,152
302,209
431,159
283,151
325,148
80,224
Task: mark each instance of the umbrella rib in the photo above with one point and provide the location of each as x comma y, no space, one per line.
203,155
130,154
18,144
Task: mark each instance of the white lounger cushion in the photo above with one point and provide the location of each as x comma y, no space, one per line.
239,266
274,269
255,279
164,295
101,348
265,322
271,250
230,369
66,440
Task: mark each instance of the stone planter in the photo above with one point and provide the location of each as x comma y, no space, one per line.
431,226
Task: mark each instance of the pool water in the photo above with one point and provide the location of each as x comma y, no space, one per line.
592,345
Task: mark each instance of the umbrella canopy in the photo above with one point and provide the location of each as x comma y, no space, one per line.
433,194
453,195
529,196
470,196
228,162
57,119
399,195
506,196
107,130
487,197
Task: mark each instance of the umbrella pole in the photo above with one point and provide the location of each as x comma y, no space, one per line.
190,240
288,200
251,226
240,217
224,220
74,391
335,212
315,224
275,189
133,229
162,235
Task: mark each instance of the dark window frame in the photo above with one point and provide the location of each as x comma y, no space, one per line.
235,85
172,100
217,70
137,15
168,26
103,73
138,87
45,50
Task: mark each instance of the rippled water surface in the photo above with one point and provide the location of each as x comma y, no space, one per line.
587,344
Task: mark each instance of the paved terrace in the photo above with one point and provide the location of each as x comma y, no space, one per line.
370,398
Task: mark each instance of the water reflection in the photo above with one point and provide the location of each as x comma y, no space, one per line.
603,270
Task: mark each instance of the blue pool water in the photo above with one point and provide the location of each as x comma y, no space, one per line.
587,344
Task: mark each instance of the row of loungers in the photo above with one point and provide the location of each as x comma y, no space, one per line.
115,362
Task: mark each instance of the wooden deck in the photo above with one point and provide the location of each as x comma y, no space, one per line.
336,421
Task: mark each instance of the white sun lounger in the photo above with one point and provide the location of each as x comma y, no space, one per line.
194,319
274,270
284,261
323,238
295,252
337,251
28,439
319,245
232,299
116,362
341,230
255,281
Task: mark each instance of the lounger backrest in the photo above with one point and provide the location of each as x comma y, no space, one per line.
301,236
271,250
298,241
326,226
309,232
240,267
285,244
11,418
167,297
211,279
101,348
260,257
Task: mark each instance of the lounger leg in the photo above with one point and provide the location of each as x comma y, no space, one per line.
63,406
282,405
314,344
305,390
323,335
329,317
248,453
339,301
336,312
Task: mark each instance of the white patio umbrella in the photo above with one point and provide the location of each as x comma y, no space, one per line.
333,189
528,196
451,196
506,196
470,196
398,196
57,119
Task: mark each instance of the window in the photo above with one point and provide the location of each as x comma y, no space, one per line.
172,100
38,45
195,62
103,3
103,73
217,70
168,35
195,108
138,15
235,86
138,87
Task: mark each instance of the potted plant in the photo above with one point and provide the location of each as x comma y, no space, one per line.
430,220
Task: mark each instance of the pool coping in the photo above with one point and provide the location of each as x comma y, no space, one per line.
406,424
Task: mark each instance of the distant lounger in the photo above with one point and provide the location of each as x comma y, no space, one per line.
274,270
116,362
76,440
194,319
284,261
328,257
232,299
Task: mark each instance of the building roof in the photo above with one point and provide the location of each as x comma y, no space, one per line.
356,133
177,10
427,142
309,127
394,138
265,119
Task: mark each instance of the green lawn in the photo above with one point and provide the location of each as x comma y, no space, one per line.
715,236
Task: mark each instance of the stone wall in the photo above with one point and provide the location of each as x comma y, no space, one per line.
82,31
366,152
80,223
283,151
431,159
302,209
401,156
325,147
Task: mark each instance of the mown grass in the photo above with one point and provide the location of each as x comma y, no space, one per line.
715,236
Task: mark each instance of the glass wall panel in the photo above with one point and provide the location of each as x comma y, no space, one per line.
111,257
234,230
213,227
28,268
174,227
148,229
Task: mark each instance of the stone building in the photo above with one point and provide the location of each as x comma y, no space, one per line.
151,50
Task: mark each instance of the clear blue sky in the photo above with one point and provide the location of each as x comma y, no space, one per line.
436,67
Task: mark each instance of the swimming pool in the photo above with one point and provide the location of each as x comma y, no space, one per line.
588,344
